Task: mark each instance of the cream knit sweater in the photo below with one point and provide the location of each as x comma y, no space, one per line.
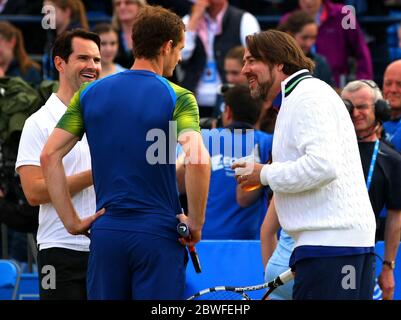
316,174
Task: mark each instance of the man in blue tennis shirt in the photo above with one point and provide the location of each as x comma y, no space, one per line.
134,249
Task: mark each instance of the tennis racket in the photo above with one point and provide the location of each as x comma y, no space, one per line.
239,293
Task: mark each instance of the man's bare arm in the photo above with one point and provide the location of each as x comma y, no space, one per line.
58,145
35,189
392,235
268,233
180,173
197,179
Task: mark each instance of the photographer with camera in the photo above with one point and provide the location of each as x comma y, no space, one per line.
381,166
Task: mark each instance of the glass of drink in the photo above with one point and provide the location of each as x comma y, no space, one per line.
246,171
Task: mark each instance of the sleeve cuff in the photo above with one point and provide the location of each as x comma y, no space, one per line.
263,175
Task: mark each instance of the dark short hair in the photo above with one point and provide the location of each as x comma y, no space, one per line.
243,106
153,27
276,47
63,45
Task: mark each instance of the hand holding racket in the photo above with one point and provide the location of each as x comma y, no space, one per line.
184,232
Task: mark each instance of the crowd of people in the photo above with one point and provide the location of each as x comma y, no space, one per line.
322,187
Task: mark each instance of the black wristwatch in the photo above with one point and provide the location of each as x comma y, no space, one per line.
390,264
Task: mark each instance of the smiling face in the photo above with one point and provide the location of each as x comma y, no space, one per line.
83,64
261,77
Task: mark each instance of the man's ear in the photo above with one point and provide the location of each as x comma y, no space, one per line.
59,63
280,67
167,46
228,113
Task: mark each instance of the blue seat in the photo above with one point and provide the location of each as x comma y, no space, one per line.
9,279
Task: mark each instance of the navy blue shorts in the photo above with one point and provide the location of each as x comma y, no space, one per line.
126,265
335,278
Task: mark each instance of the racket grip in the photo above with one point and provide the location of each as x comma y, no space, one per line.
195,259
286,276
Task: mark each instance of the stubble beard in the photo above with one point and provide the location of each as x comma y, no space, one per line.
262,90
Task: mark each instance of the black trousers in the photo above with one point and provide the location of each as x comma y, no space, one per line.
62,274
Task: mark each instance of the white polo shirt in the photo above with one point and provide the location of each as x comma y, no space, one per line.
37,129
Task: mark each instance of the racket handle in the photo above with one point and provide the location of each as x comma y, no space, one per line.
279,281
183,230
286,276
195,259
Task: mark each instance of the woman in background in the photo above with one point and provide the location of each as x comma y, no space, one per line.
108,49
304,29
14,61
124,15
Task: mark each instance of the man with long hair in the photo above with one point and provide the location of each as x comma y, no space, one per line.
316,174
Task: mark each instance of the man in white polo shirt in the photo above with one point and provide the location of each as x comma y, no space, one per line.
77,58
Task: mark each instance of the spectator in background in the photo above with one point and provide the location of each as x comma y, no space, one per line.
232,71
337,43
70,14
124,15
304,29
392,93
229,217
212,28
382,169
108,49
233,65
14,61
